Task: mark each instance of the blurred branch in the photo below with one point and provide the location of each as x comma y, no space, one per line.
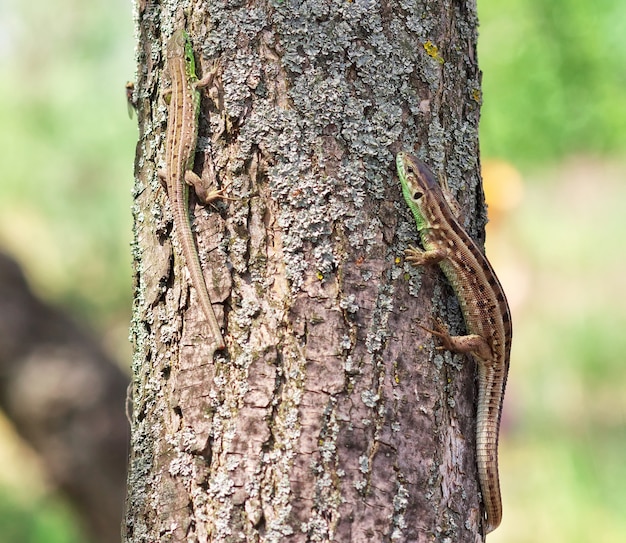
66,398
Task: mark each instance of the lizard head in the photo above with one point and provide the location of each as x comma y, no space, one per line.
419,185
179,47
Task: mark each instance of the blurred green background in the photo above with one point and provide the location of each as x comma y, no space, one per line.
553,133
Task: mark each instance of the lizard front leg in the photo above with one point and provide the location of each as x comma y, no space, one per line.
418,257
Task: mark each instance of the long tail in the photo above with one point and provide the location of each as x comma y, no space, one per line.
490,394
197,277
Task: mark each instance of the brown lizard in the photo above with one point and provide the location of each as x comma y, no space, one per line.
483,304
180,148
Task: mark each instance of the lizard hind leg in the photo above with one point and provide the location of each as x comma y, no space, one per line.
468,344
203,188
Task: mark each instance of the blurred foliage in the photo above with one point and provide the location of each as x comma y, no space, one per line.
564,426
554,78
68,148
41,521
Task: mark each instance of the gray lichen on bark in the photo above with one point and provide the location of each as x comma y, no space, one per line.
328,418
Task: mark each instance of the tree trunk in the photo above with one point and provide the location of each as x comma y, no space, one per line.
330,416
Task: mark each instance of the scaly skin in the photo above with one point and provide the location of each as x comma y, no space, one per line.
484,306
180,147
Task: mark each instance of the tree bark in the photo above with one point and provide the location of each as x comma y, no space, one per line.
330,416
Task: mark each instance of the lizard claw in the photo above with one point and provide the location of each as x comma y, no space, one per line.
414,255
441,331
218,194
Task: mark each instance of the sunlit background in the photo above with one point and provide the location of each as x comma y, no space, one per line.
553,136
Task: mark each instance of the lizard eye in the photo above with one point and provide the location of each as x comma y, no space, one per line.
417,195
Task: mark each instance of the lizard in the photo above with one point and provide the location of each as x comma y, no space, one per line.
180,148
483,304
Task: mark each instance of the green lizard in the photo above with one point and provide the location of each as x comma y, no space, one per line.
483,304
180,148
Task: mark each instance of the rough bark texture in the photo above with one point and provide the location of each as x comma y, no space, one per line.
330,416
66,398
